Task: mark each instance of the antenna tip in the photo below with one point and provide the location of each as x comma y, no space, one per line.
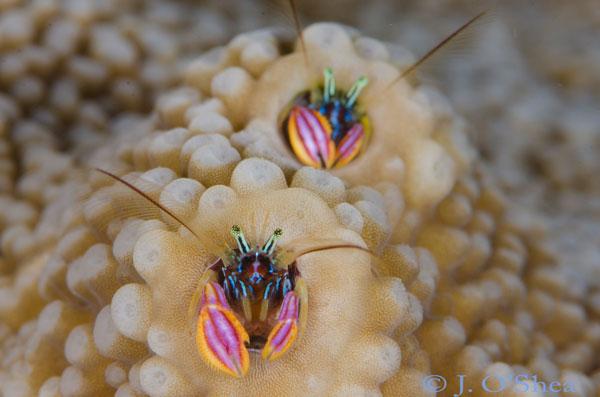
236,230
278,233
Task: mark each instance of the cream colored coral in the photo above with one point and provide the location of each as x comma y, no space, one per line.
462,287
468,235
405,149
49,117
402,149
172,263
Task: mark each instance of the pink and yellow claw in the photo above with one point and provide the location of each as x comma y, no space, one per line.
221,338
284,333
350,145
310,137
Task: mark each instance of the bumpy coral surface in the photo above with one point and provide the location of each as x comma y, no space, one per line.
98,282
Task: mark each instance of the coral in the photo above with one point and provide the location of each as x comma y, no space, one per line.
97,283
411,156
353,309
171,267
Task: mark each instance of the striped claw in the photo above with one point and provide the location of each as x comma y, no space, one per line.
350,145
309,133
220,336
283,334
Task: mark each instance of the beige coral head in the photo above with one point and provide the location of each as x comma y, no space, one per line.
349,310
401,148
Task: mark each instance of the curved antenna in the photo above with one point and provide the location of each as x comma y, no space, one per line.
332,247
435,49
150,199
303,246
300,33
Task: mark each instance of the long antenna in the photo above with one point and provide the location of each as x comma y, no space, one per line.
425,57
335,246
300,33
291,255
150,199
